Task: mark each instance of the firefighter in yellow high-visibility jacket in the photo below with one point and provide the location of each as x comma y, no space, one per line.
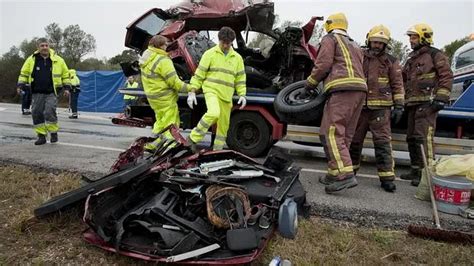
220,73
161,85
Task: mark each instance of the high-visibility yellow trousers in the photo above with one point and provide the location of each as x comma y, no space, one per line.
166,114
218,111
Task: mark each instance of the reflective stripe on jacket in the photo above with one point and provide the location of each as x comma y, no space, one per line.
220,74
133,85
384,80
427,76
159,77
338,64
59,72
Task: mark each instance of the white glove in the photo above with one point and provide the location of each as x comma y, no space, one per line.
191,99
243,102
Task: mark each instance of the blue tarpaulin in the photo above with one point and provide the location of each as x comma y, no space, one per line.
99,91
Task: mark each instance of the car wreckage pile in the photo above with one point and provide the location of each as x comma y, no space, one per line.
212,207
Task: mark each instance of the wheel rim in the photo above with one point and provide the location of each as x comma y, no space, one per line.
292,98
247,134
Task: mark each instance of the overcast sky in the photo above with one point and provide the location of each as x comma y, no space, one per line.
106,19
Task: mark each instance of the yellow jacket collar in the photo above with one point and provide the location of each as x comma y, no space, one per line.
149,55
52,54
217,49
157,50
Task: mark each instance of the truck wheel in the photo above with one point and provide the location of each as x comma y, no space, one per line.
291,109
249,134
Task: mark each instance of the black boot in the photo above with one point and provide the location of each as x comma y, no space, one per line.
416,181
325,180
388,186
54,137
413,174
73,116
41,139
338,185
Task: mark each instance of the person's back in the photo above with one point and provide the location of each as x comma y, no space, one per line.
161,85
339,66
343,59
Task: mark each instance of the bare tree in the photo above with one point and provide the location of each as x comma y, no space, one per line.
28,47
55,36
77,43
399,50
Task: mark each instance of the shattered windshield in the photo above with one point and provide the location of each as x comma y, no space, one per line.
152,24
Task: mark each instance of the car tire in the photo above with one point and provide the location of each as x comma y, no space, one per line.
291,109
249,134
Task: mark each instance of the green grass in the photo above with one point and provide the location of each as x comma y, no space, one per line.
58,240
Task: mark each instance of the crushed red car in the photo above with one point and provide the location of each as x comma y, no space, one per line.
210,207
285,57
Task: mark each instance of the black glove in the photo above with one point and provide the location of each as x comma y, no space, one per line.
397,113
437,106
24,87
309,90
67,87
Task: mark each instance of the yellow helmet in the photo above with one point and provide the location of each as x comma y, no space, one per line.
336,21
424,31
379,33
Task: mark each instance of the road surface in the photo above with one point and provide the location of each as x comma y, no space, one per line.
90,144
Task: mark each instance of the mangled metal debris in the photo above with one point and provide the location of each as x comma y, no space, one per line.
212,207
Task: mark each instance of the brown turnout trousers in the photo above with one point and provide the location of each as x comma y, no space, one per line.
338,126
378,122
420,130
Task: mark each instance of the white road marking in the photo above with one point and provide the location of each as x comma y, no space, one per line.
90,146
361,175
325,172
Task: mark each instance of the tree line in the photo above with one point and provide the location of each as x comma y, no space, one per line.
71,43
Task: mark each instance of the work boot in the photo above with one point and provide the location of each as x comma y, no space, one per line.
340,184
26,112
416,181
150,147
325,180
54,137
413,174
41,139
388,185
191,144
73,116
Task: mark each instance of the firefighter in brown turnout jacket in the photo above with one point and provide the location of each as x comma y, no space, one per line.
339,66
385,89
428,80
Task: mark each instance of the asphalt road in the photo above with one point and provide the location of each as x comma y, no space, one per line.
90,144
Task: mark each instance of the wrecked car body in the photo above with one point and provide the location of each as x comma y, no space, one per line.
284,57
211,207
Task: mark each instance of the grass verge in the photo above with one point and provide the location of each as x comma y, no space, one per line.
58,239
